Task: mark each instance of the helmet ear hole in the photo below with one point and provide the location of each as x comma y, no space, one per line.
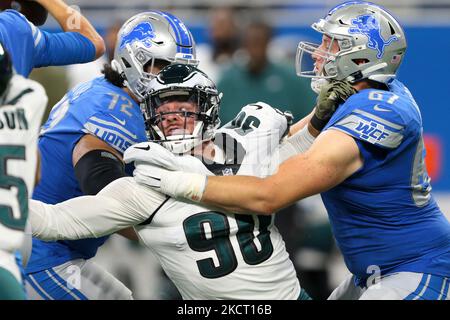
392,28
126,63
359,62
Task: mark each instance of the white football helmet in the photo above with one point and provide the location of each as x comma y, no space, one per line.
371,44
147,37
182,82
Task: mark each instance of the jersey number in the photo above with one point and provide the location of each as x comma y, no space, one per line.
243,124
211,231
15,190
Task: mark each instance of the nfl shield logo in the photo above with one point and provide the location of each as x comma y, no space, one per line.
227,172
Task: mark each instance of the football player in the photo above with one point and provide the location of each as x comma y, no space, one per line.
368,164
30,47
208,254
22,105
81,147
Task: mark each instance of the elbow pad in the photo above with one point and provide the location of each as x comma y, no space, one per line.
96,169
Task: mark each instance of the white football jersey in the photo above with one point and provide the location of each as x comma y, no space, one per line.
206,253
257,131
213,255
20,119
209,254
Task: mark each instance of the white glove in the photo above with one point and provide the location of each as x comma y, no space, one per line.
155,166
153,154
176,184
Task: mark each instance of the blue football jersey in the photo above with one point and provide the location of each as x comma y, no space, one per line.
97,108
31,47
384,216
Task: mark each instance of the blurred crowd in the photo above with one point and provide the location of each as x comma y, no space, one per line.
249,63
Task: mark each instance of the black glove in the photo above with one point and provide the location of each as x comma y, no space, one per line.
329,99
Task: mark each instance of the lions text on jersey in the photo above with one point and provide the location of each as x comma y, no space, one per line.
97,108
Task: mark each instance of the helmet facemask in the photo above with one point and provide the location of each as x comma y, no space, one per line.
205,116
305,64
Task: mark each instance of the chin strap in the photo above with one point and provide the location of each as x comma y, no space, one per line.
318,83
363,74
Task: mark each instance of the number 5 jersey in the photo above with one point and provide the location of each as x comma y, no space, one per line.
21,114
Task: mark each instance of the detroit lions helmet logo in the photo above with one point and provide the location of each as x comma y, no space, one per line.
143,32
369,26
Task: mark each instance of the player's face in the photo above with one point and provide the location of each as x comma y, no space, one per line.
177,117
322,53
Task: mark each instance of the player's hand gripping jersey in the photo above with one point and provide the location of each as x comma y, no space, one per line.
387,126
20,118
97,108
206,253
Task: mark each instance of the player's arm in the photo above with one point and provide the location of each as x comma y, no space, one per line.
71,20
302,134
97,164
121,204
333,157
328,100
79,43
296,127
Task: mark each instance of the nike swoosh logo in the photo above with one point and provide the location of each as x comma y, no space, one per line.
121,122
20,95
377,108
258,107
142,148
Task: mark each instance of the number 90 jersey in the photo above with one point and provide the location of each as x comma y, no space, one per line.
213,255
210,254
20,119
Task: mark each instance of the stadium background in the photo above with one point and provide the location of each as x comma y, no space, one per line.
232,33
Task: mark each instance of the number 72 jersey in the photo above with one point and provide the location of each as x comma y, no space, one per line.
20,119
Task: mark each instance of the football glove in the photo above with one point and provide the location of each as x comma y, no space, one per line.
329,99
156,167
154,154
